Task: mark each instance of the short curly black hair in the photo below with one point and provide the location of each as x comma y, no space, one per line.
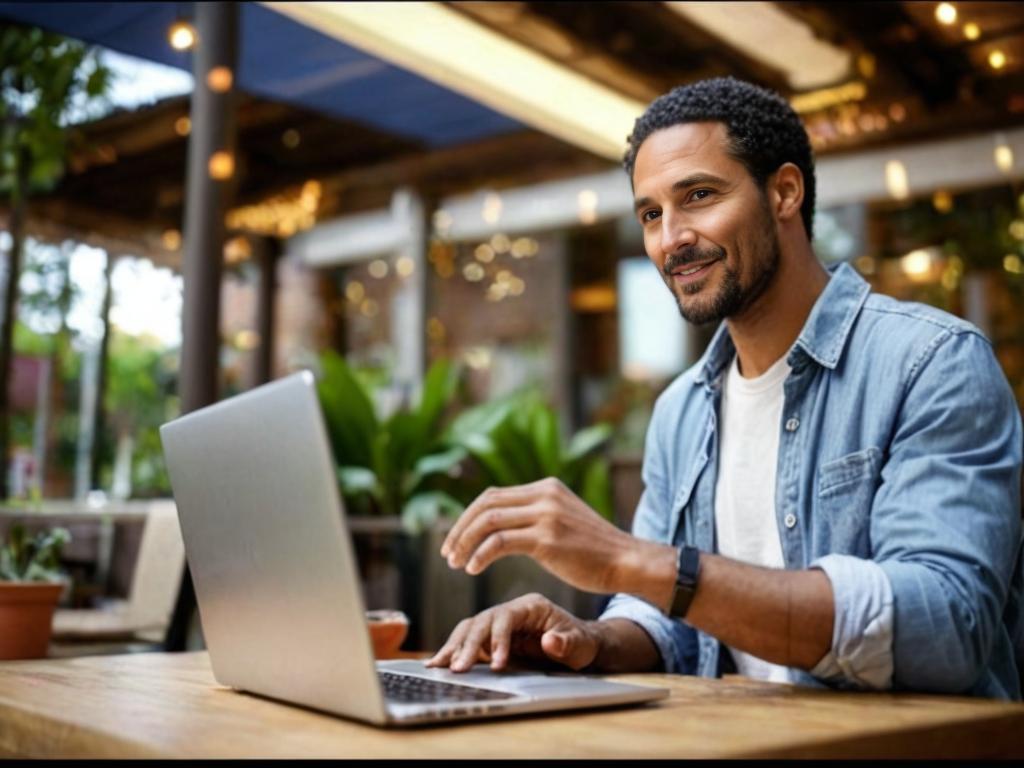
763,129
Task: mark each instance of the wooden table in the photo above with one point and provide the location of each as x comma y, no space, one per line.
168,705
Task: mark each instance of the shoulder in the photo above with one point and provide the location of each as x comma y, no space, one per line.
914,333
886,314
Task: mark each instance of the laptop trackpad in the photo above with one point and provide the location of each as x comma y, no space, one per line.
520,681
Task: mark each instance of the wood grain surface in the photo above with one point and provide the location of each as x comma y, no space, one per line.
168,705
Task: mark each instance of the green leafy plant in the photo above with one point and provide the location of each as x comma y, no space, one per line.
397,465
408,465
516,440
45,79
36,558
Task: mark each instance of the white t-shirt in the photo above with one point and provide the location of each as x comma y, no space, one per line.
745,525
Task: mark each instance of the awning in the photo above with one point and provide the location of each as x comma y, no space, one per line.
283,60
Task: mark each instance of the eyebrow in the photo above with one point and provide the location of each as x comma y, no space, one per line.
689,181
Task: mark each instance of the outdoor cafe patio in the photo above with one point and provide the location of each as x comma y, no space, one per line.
424,204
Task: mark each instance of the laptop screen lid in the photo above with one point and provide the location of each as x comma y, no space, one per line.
272,563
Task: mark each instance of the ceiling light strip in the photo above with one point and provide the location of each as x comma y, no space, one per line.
443,46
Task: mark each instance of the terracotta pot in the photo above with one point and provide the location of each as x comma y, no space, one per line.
387,631
26,618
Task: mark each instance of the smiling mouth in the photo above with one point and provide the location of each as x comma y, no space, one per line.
692,271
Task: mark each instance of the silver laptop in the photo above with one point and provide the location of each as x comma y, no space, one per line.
277,585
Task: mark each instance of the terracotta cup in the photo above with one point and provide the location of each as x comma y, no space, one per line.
387,631
26,618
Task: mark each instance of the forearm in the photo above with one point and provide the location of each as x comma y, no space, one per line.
623,646
784,617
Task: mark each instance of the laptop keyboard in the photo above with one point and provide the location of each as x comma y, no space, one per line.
419,690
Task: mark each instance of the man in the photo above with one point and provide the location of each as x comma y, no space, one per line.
832,493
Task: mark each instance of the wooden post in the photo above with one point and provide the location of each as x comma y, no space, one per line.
209,185
267,250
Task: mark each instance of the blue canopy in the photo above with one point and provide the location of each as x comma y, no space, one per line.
283,60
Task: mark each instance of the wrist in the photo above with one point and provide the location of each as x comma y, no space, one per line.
650,573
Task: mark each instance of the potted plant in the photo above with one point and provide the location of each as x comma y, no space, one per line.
30,586
398,465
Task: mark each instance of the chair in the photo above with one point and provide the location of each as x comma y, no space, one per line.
145,615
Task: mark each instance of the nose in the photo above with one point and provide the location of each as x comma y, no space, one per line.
675,234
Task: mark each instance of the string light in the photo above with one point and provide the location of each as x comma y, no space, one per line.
917,263
942,201
896,180
972,31
221,165
183,126
282,215
1002,154
171,239
182,36
945,13
442,220
473,272
500,243
491,212
355,291
997,59
219,79
586,203
237,250
405,266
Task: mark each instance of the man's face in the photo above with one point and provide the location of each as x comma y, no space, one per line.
707,226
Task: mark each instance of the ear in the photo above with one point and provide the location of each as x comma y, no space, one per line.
786,188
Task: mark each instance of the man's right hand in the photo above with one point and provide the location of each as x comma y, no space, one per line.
531,627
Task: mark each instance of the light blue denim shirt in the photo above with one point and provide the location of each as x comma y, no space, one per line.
898,474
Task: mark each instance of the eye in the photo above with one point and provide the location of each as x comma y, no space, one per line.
701,194
648,216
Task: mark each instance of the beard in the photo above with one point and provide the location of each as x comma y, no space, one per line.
732,297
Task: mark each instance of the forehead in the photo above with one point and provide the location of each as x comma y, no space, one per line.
681,150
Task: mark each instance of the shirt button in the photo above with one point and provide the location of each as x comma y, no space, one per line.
790,520
792,423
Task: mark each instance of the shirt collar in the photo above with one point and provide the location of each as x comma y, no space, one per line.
823,336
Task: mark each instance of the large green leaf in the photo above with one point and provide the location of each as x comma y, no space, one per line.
439,386
422,509
512,439
586,441
480,419
596,488
441,463
351,421
491,459
546,440
356,480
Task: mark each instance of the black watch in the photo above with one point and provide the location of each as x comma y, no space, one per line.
686,581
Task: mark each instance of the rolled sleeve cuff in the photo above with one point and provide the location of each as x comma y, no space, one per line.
862,635
663,631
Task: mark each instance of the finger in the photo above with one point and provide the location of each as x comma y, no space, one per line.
520,541
443,657
512,496
478,636
506,620
487,522
571,647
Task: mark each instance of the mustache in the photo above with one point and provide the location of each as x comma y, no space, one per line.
691,255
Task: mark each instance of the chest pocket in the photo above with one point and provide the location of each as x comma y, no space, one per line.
846,490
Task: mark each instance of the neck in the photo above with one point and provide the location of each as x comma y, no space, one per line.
766,330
